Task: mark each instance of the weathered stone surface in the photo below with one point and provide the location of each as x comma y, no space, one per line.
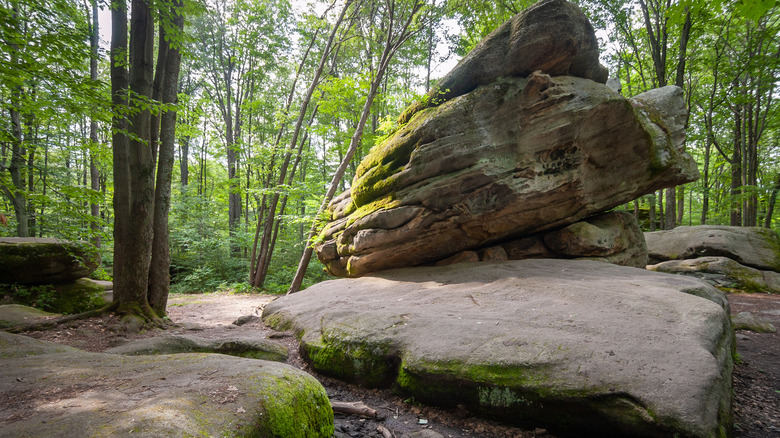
508,160
29,260
723,272
12,315
180,395
251,348
552,36
574,346
613,237
751,246
748,321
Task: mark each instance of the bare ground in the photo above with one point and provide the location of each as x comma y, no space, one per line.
757,392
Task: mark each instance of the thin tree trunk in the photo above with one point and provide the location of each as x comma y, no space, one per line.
257,279
389,51
94,174
736,171
159,274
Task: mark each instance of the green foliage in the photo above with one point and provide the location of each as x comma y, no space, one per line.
42,297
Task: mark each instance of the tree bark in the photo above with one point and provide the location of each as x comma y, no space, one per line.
159,274
134,183
94,174
736,171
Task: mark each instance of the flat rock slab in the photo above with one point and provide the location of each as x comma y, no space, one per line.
12,315
573,346
252,348
49,390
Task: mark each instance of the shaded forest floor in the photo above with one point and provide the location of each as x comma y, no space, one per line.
757,391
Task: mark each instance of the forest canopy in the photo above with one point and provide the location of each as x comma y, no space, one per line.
274,98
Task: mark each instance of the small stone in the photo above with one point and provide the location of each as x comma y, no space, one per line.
246,319
748,321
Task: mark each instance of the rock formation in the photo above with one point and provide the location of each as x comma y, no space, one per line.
517,157
175,395
577,347
30,260
756,247
522,137
552,36
501,163
732,257
723,272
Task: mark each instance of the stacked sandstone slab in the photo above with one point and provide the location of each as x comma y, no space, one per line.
745,258
527,139
518,154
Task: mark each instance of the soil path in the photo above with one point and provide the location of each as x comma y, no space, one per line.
757,392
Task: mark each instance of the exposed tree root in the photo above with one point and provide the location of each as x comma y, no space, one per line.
148,317
51,323
353,408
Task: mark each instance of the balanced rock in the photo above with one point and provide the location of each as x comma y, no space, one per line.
755,247
51,390
30,260
577,347
507,160
552,36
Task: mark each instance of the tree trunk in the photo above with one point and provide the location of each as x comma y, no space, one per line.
159,274
260,268
736,171
133,180
651,212
17,194
770,209
390,49
94,175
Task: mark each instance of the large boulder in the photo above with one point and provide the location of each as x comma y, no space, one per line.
552,36
30,260
723,272
755,247
52,390
507,160
577,347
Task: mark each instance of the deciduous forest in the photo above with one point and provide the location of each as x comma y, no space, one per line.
207,134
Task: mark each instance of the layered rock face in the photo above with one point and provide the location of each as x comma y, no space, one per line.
520,138
746,258
517,157
552,36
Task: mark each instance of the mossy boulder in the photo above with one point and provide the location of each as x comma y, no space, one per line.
755,247
511,159
66,298
578,347
12,315
723,272
179,395
29,260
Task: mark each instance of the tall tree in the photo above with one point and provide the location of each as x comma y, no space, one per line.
134,164
402,22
